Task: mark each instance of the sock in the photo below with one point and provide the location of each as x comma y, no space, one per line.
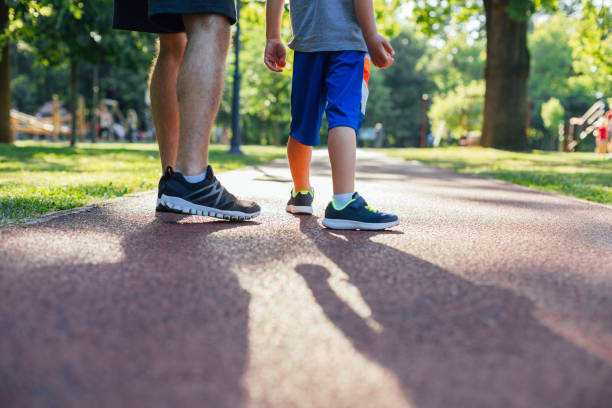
196,179
299,156
340,200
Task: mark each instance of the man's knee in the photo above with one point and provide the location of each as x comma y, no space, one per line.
172,46
208,26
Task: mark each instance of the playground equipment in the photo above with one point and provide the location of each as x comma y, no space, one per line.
24,123
53,126
581,127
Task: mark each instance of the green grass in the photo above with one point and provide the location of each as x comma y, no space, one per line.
36,178
583,175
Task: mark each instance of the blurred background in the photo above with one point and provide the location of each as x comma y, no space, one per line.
433,95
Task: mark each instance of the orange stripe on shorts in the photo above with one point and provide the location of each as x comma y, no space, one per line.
366,70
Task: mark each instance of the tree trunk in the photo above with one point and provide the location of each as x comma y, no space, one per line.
73,101
506,74
6,134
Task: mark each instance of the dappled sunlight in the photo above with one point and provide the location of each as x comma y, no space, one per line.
583,175
290,337
592,339
50,247
38,177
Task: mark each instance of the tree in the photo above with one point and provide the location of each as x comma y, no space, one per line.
19,18
408,83
507,61
552,116
74,37
559,69
460,110
592,40
6,134
69,32
265,95
458,61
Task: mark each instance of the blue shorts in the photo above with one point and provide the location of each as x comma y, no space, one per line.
332,81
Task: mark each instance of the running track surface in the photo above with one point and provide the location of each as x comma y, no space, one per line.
486,295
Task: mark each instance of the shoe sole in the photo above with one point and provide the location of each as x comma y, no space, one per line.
357,225
299,209
176,204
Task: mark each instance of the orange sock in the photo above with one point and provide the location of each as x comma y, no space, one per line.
299,156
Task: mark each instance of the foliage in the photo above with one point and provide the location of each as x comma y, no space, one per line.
592,40
557,70
459,61
36,178
434,15
24,16
552,114
265,97
53,36
460,110
407,82
582,175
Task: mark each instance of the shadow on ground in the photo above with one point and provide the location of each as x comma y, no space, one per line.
151,330
449,342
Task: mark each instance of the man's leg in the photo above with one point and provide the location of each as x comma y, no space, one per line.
164,101
193,188
200,85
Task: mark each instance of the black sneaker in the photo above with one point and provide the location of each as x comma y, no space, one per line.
300,202
160,187
357,214
208,197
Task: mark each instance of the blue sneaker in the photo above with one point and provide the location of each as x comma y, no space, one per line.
300,202
357,214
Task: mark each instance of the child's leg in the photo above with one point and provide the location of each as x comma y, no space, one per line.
342,146
299,156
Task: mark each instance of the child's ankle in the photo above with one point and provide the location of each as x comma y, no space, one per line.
302,188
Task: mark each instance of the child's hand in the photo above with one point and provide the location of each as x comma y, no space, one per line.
275,55
380,51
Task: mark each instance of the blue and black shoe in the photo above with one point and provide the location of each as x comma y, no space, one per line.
208,197
357,214
300,202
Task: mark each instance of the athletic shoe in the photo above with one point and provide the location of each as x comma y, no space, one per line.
300,202
208,197
357,214
160,187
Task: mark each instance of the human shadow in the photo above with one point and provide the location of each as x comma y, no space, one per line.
165,325
450,342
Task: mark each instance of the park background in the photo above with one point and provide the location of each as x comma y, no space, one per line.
508,75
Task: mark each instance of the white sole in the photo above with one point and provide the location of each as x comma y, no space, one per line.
299,209
354,225
179,205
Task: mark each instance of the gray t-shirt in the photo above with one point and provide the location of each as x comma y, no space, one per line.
325,25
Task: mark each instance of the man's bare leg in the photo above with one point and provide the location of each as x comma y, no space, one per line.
342,147
200,85
164,101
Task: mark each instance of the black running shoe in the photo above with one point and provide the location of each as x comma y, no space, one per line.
357,214
300,202
160,187
207,197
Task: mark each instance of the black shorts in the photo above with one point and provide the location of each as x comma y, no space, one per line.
166,16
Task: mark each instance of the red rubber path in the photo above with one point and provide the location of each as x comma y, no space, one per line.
486,295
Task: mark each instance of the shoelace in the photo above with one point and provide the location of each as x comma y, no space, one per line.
371,209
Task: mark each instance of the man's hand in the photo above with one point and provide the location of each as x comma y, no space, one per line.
380,51
275,55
